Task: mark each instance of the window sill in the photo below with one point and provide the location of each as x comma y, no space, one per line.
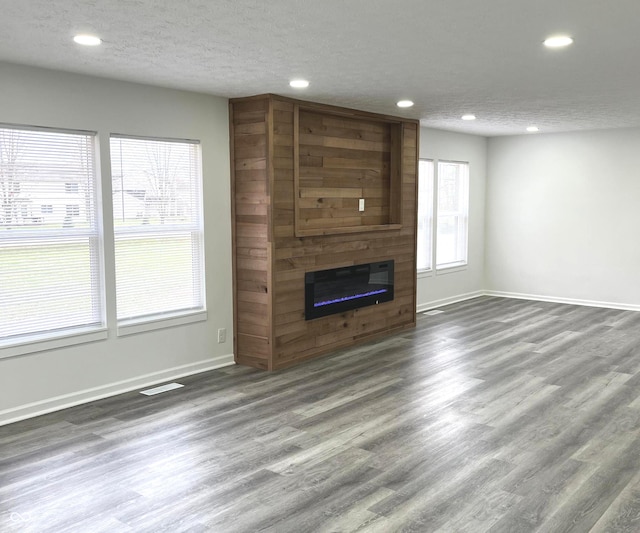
48,341
425,273
141,325
458,267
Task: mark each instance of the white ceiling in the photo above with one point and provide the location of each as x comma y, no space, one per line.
449,56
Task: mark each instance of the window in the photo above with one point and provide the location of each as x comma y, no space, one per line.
453,214
50,272
71,188
449,233
46,209
425,215
157,216
73,210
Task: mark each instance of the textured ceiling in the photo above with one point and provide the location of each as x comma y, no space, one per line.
449,56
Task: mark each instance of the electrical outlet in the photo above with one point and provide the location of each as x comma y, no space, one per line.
222,335
361,204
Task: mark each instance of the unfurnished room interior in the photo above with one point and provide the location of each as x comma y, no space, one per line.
298,266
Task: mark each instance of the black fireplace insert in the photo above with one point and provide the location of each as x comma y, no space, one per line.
340,289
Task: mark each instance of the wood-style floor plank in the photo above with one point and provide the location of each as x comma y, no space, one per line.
496,415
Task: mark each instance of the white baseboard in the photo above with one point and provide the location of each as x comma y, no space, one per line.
446,301
521,296
57,403
559,300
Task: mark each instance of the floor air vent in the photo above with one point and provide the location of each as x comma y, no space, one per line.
161,388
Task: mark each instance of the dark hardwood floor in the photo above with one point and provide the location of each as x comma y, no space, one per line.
496,415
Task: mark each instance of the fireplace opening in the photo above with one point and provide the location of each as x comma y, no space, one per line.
341,289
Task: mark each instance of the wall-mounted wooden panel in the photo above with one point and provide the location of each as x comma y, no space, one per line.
340,164
313,163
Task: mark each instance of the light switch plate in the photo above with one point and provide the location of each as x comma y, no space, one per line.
361,204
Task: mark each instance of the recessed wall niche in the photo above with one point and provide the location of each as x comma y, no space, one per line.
347,173
317,187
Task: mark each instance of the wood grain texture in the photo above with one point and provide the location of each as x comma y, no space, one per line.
317,162
496,415
251,156
338,158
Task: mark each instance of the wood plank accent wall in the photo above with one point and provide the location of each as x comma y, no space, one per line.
295,161
341,160
251,206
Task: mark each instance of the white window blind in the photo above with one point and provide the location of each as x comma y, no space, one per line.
425,215
157,216
50,261
453,214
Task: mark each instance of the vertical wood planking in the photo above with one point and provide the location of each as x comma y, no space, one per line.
296,168
395,190
410,144
234,262
270,238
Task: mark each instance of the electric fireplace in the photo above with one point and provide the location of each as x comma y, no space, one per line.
340,289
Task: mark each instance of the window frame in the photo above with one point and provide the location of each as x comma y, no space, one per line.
35,341
428,217
155,321
459,264
442,268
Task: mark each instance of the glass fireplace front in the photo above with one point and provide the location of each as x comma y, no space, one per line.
341,289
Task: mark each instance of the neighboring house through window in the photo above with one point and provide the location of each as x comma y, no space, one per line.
73,210
71,188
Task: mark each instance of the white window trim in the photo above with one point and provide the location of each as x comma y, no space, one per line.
450,268
141,324
426,272
50,341
458,266
71,336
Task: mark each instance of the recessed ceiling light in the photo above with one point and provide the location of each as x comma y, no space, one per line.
532,129
87,40
468,117
299,84
558,41
405,103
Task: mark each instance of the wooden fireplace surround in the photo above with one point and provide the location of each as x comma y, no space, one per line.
298,172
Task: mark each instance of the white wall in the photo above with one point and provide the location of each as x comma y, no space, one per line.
41,381
563,217
438,288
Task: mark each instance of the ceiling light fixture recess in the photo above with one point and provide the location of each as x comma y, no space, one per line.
405,103
87,40
532,129
558,41
468,117
299,84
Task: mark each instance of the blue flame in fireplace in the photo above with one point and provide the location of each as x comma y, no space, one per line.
345,298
